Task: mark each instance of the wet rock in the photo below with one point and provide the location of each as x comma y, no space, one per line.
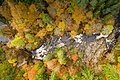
3,25
3,39
93,52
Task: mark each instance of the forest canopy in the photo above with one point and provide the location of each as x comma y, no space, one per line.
60,40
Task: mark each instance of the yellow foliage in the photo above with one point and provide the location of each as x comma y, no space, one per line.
118,66
78,15
49,27
24,19
25,75
18,42
41,33
86,27
59,12
5,11
106,77
23,16
35,43
15,10
92,21
40,23
13,61
73,33
119,59
61,25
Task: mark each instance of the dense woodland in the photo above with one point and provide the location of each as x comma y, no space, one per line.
60,40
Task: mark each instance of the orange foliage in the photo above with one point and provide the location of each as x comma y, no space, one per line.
45,65
53,65
73,69
74,57
62,71
24,67
32,73
72,27
110,21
